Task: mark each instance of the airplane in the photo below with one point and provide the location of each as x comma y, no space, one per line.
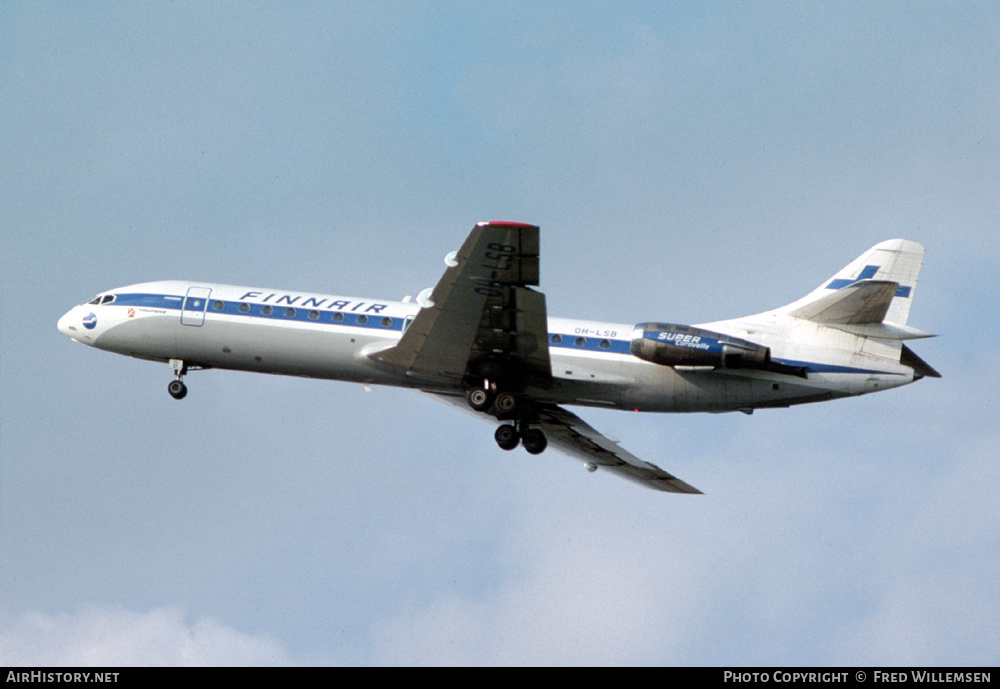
482,340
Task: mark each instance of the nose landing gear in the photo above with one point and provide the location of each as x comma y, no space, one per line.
177,389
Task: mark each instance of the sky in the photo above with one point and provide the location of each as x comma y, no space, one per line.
687,162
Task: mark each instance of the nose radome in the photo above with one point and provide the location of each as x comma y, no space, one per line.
71,324
65,324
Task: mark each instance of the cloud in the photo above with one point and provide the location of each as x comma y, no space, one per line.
117,637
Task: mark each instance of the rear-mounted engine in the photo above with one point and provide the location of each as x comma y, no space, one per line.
669,344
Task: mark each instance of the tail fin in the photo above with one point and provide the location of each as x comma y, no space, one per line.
873,292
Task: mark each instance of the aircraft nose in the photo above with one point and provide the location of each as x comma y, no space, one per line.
66,323
71,324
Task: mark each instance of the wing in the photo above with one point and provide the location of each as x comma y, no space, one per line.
485,319
571,435
483,312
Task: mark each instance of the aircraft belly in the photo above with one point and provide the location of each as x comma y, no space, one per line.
668,390
661,388
629,383
587,379
285,349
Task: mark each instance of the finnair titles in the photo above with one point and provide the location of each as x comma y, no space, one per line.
338,304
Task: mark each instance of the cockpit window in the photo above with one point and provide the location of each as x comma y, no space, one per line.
102,299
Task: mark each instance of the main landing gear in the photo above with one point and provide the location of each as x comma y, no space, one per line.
177,389
504,405
508,436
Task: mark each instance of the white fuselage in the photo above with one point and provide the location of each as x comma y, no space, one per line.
332,337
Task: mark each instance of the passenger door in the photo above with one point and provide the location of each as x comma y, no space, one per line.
193,310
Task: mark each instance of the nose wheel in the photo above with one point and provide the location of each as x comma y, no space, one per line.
177,389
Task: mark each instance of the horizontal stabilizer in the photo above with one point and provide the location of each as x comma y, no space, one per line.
884,331
865,301
875,287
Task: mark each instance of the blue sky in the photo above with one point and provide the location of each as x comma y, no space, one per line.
687,162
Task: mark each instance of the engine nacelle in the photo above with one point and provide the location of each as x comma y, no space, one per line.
669,344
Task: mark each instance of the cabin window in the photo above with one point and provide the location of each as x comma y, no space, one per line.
556,339
581,342
387,322
290,312
362,319
267,310
605,344
314,315
218,305
338,317
244,308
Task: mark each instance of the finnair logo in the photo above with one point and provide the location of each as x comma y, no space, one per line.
90,321
867,274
